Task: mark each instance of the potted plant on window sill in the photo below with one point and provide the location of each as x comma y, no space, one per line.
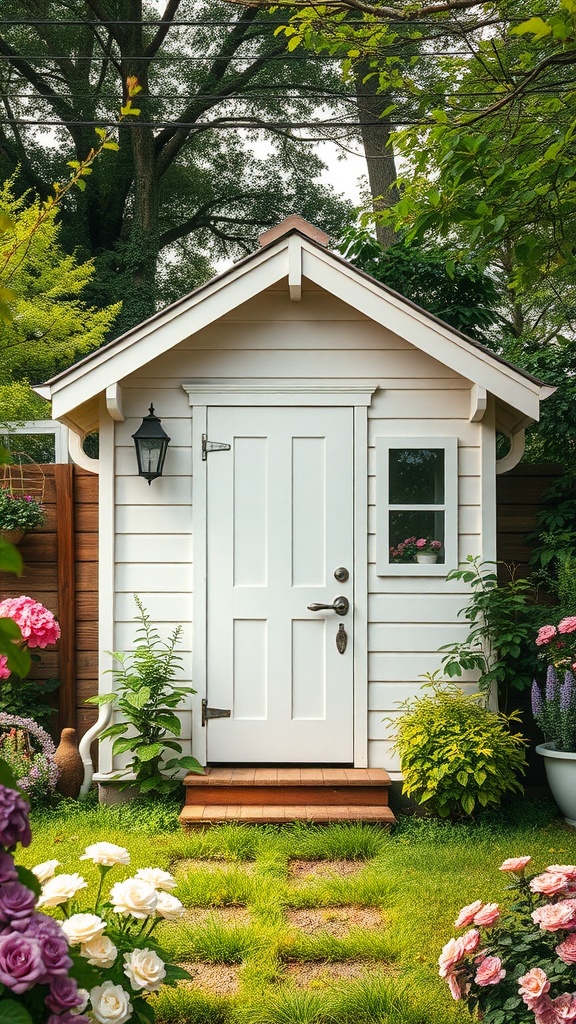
554,709
427,550
18,514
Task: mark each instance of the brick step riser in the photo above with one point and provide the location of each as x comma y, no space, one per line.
348,796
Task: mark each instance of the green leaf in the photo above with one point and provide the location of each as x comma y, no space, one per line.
139,698
191,764
168,721
10,559
121,746
28,879
81,184
114,730
111,145
537,26
14,1013
7,777
148,753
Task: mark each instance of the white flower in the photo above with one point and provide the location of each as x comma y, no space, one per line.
82,928
110,1004
134,898
156,877
144,969
60,889
100,951
45,871
169,907
83,994
106,853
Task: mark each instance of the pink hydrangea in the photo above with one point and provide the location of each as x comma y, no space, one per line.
421,543
490,971
4,670
533,985
37,625
515,864
545,635
467,914
567,625
487,915
567,949
556,916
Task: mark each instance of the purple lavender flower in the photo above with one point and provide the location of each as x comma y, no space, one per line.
566,691
551,683
14,824
17,904
8,871
21,963
63,994
537,706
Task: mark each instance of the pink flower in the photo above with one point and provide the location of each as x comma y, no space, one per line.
567,949
470,941
436,544
565,1007
421,543
37,625
451,954
544,1012
550,883
467,914
545,634
555,916
567,625
489,913
4,670
515,864
533,985
490,971
563,869
455,987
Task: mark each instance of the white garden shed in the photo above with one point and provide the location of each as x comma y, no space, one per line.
345,420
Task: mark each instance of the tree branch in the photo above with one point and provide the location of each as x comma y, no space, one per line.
167,17
378,10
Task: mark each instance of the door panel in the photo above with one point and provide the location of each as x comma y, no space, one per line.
280,521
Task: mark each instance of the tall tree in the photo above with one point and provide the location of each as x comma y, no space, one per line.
180,183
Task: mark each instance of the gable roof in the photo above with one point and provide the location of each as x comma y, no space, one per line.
296,254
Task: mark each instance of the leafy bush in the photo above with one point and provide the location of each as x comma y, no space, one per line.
455,752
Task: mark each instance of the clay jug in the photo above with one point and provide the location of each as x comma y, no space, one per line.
70,765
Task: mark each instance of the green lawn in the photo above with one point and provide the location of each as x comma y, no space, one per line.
354,940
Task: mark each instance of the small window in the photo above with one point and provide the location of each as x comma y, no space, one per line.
416,506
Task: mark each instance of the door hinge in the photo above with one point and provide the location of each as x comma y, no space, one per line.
212,446
208,713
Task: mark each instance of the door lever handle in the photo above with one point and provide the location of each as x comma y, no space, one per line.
340,605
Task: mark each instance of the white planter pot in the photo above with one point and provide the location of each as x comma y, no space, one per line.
560,768
426,559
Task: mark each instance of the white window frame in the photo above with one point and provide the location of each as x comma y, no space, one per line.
383,507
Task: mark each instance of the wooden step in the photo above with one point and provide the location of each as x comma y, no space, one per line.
208,814
286,794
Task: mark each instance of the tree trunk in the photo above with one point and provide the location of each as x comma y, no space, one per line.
378,151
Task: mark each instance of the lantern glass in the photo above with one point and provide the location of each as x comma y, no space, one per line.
151,442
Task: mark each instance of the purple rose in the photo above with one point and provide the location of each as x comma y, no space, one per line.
63,994
67,1018
8,871
21,963
17,904
55,956
14,825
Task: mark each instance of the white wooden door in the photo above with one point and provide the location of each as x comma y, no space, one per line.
279,523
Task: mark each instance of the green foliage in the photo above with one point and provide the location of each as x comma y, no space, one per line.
462,294
457,756
503,621
19,512
147,697
556,531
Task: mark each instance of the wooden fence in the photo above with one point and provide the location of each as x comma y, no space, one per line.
61,571
519,498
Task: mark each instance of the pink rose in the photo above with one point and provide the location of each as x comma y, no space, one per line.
533,985
550,883
454,985
451,954
515,864
467,914
490,971
544,1012
555,916
567,949
567,625
488,914
565,1007
563,869
470,941
545,634
4,670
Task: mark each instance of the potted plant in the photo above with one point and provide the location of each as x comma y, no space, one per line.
18,514
554,708
427,550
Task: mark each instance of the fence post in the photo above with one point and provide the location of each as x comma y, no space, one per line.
63,478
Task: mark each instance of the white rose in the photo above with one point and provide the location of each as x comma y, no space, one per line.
106,854
169,907
100,951
60,889
134,898
81,928
45,871
144,969
156,877
110,1004
84,995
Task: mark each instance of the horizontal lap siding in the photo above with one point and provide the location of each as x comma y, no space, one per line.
319,337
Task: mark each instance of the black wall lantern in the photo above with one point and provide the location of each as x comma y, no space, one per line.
151,443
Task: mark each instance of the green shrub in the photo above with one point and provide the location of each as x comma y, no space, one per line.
456,753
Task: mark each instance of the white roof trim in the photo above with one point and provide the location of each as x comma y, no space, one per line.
164,330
